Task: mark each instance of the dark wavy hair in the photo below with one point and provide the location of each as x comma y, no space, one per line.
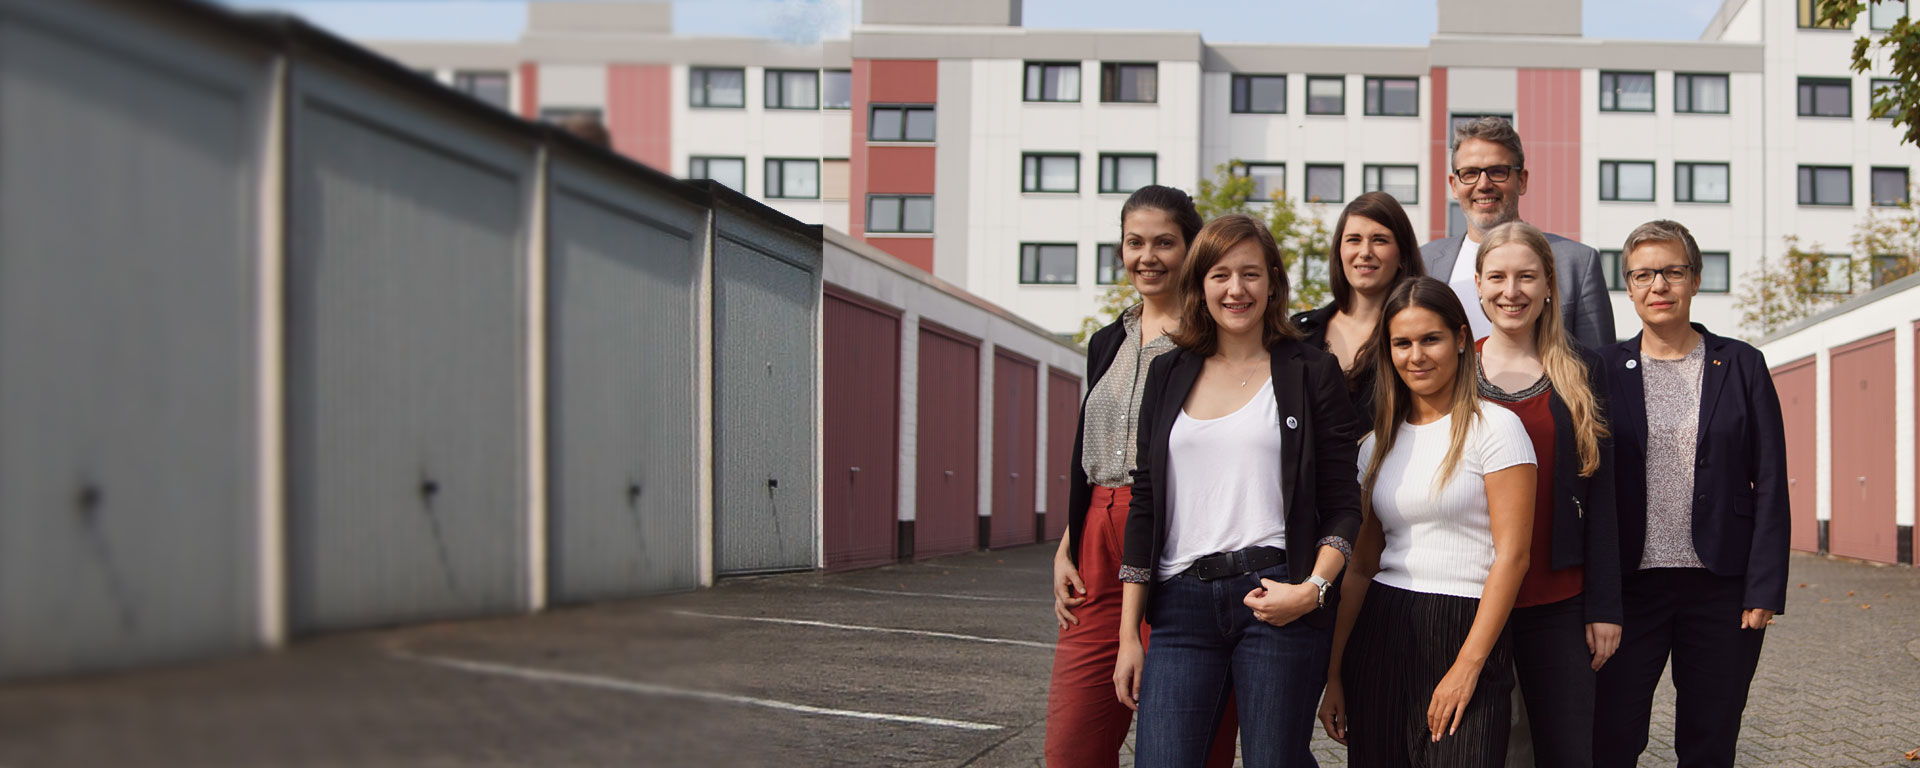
1197,331
1383,209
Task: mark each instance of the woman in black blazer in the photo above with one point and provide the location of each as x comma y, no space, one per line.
1244,506
1374,249
1700,468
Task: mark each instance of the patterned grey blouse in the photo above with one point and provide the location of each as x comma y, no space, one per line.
1673,426
1113,407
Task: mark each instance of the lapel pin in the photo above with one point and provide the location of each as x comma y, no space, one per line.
1632,364
1716,362
1293,423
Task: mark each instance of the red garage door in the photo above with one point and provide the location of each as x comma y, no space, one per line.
1863,467
1795,382
946,475
1063,424
1016,409
862,393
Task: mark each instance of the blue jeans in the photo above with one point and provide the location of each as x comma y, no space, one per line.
1207,644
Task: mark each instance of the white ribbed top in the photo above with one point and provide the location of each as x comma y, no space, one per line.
1440,540
1223,484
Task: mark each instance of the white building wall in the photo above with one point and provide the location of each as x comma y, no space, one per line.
573,85
757,133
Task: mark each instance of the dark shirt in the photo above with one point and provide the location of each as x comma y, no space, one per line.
1313,332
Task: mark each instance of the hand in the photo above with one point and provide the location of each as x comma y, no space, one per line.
1602,640
1333,710
1450,698
1756,618
1066,584
1278,604
1126,673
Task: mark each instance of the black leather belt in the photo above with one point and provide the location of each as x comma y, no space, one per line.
1235,563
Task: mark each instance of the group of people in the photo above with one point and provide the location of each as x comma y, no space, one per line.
1387,513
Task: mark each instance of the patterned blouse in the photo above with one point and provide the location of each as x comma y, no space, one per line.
1113,407
1673,426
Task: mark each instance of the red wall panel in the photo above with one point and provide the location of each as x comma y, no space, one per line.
946,495
1863,436
640,112
872,170
1549,122
1063,423
900,171
1442,165
1016,409
1798,407
862,432
905,80
530,90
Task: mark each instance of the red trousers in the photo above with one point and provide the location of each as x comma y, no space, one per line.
1086,723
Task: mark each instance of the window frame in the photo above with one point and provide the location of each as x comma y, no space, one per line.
1727,258
773,192
1805,15
1873,85
1116,157
1341,79
902,223
1306,191
1038,187
1110,81
1244,169
464,81
1906,186
1234,94
706,171
1682,84
1803,82
1875,268
1119,264
1809,195
1653,90
823,88
1905,7
905,109
1653,188
699,93
1379,170
1374,90
1026,70
1690,197
1610,271
1035,247
767,94
557,113
1826,259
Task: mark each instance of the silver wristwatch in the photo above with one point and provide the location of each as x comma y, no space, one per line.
1322,584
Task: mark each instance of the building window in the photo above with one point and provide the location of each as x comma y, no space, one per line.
1326,183
1826,185
1836,274
1610,265
793,89
1883,14
1715,276
1053,81
1397,96
1889,186
490,87
1269,179
836,89
1826,97
1700,93
1129,83
717,88
1326,95
1401,181
1049,173
1047,263
1700,182
793,178
1626,180
899,213
560,115
1108,268
1122,174
1808,14
898,122
1890,267
835,178
730,171
1883,89
1260,94
1626,91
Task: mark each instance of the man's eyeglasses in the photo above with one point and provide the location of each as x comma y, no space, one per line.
1495,173
1674,275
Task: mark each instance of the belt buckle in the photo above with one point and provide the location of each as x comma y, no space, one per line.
1240,563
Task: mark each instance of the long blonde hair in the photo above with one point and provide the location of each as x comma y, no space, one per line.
1393,401
1564,368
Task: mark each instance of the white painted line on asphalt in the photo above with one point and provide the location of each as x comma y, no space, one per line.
937,564
650,689
859,628
945,595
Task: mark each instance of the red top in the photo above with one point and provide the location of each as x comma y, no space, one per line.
1542,584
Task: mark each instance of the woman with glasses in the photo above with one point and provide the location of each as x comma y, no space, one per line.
1700,460
1374,249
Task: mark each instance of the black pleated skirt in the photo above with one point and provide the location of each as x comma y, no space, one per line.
1402,645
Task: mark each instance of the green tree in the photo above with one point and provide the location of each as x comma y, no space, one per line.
1898,51
1302,236
1797,285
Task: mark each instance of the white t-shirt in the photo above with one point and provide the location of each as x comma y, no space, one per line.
1461,281
1440,539
1223,484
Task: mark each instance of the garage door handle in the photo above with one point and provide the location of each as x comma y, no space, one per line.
1793,481
949,474
1863,482
1014,475
90,497
429,488
633,493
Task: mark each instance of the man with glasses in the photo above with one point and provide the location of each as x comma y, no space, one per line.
1489,176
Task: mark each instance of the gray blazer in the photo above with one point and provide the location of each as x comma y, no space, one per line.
1584,305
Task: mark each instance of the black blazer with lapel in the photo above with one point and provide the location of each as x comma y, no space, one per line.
1586,529
1318,475
1740,518
1313,331
1102,347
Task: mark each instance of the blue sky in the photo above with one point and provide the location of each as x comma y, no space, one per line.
1393,22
